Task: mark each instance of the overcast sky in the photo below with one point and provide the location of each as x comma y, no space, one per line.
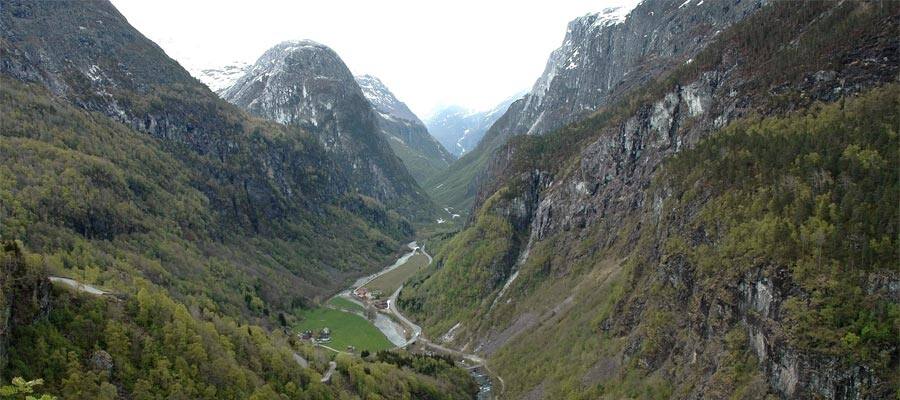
472,53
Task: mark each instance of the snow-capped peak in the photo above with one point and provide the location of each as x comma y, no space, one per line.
610,16
218,79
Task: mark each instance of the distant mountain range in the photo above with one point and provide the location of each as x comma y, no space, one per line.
460,129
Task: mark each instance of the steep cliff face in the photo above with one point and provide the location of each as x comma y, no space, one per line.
603,57
306,84
616,274
407,135
607,53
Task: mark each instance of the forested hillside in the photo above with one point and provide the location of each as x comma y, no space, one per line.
148,346
135,167
208,230
713,235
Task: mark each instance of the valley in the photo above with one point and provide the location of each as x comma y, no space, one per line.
349,319
694,199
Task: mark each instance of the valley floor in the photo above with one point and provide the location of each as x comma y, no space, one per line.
393,325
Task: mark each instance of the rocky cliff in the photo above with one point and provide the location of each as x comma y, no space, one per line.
596,267
406,134
306,84
604,56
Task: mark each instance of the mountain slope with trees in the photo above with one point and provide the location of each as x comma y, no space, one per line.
712,235
210,227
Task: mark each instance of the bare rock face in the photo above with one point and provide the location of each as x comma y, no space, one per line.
603,57
101,361
306,84
406,134
609,52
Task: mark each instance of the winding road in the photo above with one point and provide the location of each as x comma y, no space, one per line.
417,337
392,323
78,286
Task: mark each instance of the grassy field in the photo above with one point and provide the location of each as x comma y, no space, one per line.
346,329
392,280
344,304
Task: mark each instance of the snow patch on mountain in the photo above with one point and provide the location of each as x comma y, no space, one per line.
218,79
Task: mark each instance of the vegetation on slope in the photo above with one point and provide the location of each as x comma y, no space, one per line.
104,204
439,297
579,331
147,346
814,192
420,165
808,194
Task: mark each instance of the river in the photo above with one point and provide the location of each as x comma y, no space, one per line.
402,332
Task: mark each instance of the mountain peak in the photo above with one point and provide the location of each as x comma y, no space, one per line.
298,45
306,84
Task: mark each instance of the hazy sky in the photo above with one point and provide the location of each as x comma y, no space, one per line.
472,53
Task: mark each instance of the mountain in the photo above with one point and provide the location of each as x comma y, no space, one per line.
406,134
306,84
460,130
218,79
207,230
726,229
603,56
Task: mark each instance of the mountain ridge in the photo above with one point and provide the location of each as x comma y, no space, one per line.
408,136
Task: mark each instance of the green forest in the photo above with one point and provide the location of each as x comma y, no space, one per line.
90,199
148,346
